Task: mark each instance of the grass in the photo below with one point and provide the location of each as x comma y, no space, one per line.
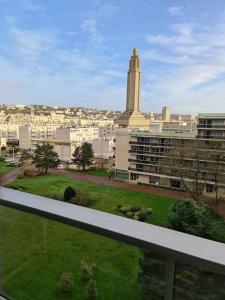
37,251
97,172
4,169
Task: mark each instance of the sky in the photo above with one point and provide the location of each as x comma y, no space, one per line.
76,53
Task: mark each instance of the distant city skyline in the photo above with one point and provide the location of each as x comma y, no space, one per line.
67,53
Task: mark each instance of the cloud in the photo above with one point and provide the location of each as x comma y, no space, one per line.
31,43
33,5
174,10
195,80
93,19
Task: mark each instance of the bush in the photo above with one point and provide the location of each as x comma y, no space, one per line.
142,216
149,211
197,218
135,208
81,198
30,173
90,290
87,268
129,214
125,209
136,217
136,212
69,193
66,282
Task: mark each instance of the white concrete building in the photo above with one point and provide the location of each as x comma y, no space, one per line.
77,134
103,148
29,133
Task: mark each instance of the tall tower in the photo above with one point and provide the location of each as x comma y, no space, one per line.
132,117
166,113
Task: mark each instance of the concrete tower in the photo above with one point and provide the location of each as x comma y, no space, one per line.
132,117
166,113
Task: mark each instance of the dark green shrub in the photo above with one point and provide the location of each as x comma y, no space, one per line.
119,206
69,193
135,208
66,282
142,216
197,218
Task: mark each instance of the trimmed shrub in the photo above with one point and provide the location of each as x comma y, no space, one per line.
142,216
66,282
135,208
129,214
69,193
136,217
81,198
149,211
119,206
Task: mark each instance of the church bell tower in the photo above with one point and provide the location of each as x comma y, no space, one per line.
132,117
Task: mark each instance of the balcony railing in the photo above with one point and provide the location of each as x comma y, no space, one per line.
174,247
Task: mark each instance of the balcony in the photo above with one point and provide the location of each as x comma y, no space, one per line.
177,260
210,126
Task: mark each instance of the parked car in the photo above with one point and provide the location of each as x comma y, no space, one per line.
14,164
60,167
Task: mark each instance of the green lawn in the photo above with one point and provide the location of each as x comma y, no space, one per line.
4,169
97,172
36,251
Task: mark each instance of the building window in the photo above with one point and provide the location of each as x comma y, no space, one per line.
175,183
209,188
154,180
122,175
133,176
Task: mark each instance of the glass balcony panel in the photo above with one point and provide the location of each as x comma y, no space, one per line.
198,284
35,252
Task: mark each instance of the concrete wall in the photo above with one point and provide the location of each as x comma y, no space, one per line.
121,153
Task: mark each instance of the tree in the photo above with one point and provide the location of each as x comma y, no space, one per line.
25,155
45,158
83,155
198,219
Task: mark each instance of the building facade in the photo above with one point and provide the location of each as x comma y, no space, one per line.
175,161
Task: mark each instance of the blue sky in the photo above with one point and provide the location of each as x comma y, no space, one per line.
76,53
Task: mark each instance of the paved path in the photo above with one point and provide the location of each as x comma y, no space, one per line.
128,186
8,177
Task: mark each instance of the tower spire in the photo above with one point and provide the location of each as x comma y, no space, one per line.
132,117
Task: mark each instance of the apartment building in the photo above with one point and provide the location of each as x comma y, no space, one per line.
104,148
173,126
174,160
9,131
29,134
211,126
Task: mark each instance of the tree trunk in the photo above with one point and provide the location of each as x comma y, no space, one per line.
83,165
46,170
